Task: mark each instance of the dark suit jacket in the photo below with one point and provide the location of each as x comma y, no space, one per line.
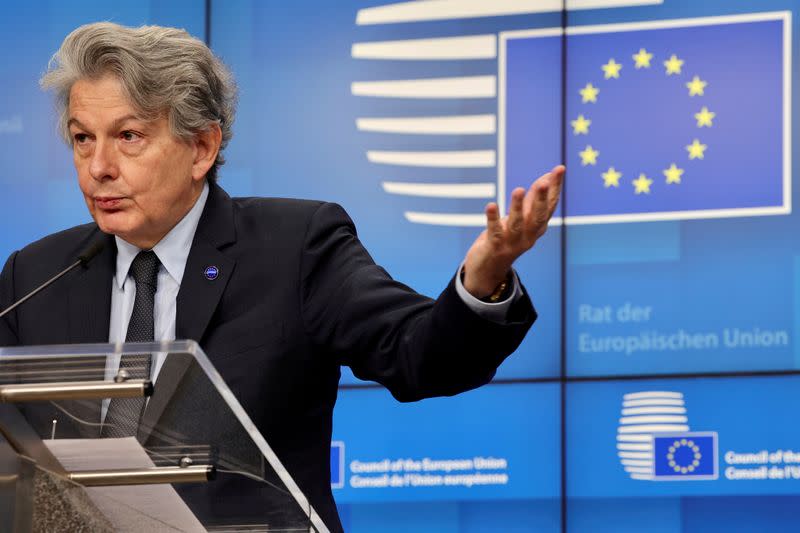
297,296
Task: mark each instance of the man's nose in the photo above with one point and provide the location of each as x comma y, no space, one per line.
103,165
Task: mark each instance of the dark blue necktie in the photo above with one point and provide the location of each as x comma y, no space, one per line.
122,418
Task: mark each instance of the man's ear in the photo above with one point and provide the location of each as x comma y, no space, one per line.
206,147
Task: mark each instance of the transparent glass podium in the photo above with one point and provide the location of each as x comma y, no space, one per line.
196,463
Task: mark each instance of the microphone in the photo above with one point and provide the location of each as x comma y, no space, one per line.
83,260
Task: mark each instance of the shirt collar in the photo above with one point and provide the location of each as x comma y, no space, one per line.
172,250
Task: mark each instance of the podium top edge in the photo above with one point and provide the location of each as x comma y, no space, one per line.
21,353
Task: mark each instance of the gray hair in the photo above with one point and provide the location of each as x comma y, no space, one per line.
163,71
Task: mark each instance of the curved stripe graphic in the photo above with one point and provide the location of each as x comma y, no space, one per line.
636,455
456,87
653,428
644,437
449,159
443,48
653,410
445,125
639,469
441,190
652,394
447,219
455,219
638,403
424,10
637,462
657,419
635,446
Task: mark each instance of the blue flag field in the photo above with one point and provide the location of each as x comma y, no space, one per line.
666,120
689,456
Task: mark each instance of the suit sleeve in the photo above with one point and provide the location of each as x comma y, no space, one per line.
386,332
8,328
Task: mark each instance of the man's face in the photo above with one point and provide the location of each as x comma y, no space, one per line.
135,175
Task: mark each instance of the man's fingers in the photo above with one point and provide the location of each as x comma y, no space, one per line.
536,199
515,214
541,201
494,228
554,191
540,187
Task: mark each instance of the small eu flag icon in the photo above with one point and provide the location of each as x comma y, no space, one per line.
337,464
686,455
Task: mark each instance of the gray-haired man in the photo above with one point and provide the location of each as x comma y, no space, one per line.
147,112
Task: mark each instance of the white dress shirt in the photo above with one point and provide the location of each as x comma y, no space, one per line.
172,252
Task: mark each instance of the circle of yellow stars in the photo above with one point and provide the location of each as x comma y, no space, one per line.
696,456
704,118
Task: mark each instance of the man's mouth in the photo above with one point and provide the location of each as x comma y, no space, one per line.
108,202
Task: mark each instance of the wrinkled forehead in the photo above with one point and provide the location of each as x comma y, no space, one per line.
105,91
102,101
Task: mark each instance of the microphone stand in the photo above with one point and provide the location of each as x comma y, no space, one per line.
83,259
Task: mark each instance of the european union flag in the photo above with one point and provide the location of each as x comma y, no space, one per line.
688,456
665,120
337,464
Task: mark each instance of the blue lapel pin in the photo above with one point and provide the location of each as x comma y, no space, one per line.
211,273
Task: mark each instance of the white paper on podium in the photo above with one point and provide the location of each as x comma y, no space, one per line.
122,505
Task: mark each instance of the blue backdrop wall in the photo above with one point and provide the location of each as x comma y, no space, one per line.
656,391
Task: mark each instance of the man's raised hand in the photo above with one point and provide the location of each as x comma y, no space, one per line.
490,257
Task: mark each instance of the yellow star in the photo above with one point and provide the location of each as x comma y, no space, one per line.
673,65
704,117
589,156
673,174
611,177
696,86
642,58
642,184
589,93
696,149
580,125
611,69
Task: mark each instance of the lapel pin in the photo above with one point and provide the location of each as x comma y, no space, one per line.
211,273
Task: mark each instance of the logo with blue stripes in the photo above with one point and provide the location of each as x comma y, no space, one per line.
655,442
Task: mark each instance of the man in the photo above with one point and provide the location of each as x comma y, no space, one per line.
279,293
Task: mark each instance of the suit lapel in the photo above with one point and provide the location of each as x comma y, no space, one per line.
90,296
199,293
198,296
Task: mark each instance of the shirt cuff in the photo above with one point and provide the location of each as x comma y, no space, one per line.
496,312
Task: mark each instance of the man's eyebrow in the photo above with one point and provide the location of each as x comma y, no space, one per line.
114,125
75,121
120,121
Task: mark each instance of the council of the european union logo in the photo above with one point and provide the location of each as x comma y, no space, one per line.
654,441
666,120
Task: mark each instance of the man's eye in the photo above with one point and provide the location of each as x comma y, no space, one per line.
129,136
80,138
